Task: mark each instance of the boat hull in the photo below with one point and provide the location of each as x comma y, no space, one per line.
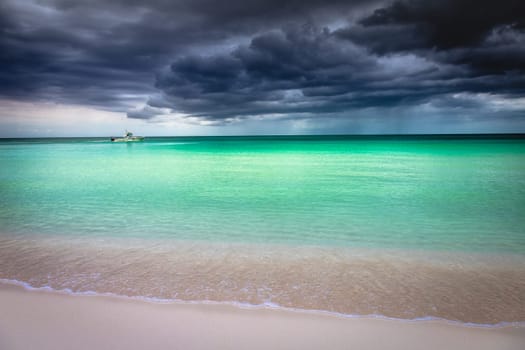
128,139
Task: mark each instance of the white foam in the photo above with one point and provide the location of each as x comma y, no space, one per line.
265,305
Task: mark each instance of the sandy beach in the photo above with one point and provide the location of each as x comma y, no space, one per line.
310,175
52,320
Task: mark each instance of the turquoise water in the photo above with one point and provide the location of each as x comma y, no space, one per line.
406,227
396,192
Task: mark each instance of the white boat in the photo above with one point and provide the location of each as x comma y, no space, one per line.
128,137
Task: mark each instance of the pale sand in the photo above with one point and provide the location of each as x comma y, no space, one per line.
49,320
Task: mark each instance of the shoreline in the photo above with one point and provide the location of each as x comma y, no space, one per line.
54,320
27,287
478,290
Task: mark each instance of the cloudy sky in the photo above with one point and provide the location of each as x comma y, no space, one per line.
203,67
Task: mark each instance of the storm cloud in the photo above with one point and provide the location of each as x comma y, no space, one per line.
262,59
302,69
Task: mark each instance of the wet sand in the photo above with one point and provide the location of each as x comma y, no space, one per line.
51,320
480,288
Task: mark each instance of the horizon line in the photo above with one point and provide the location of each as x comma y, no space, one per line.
518,134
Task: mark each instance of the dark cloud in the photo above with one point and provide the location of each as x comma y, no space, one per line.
95,52
261,58
302,69
445,24
306,69
404,53
486,35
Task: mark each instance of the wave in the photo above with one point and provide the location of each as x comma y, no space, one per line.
265,305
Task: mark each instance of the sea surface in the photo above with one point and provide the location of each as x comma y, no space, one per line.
410,227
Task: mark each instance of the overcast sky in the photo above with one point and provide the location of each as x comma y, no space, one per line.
203,67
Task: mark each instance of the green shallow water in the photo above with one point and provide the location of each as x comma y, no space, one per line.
430,193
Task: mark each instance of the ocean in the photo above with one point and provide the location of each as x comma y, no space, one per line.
410,227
